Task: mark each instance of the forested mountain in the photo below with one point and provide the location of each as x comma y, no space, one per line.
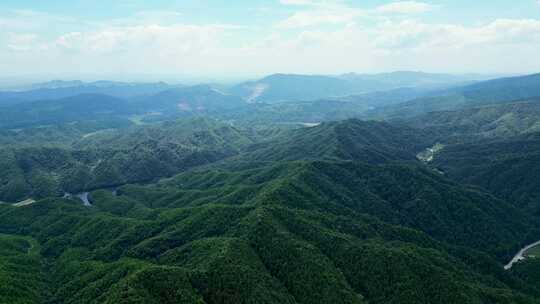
201,196
64,89
491,121
291,232
169,104
57,111
111,158
290,87
409,79
300,112
370,142
189,100
507,167
285,87
497,91
495,147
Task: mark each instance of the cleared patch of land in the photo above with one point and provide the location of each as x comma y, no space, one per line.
26,202
428,155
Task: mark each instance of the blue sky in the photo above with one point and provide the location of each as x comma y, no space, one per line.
234,39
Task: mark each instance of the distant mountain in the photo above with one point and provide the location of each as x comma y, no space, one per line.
289,87
62,89
402,79
57,111
189,100
503,89
54,84
286,87
497,91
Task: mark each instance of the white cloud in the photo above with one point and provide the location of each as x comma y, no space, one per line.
405,7
318,17
319,3
504,45
21,42
358,40
320,13
296,2
177,39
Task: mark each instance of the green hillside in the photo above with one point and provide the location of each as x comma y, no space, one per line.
251,209
21,280
495,147
507,167
301,232
498,91
493,121
371,142
115,157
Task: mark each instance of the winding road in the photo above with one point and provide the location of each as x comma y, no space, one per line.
520,255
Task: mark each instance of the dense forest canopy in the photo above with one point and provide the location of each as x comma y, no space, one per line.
390,188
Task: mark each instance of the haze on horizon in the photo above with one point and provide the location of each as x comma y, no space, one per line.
217,39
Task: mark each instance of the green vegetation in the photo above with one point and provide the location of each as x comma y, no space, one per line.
498,91
260,210
370,142
114,157
533,252
21,280
291,232
486,122
277,234
495,147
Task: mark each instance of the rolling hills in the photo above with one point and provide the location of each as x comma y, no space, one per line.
197,196
294,87
494,147
65,89
497,91
109,158
292,232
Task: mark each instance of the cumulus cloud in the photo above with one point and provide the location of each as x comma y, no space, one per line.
357,41
409,44
405,7
317,17
320,13
175,39
298,2
320,3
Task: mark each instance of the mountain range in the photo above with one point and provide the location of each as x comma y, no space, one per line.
393,188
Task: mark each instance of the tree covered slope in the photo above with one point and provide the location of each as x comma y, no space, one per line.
371,142
498,91
300,232
115,157
483,122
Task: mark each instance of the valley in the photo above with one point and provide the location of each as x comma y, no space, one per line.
264,198
269,152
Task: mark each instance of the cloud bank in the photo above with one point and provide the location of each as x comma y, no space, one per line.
314,37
